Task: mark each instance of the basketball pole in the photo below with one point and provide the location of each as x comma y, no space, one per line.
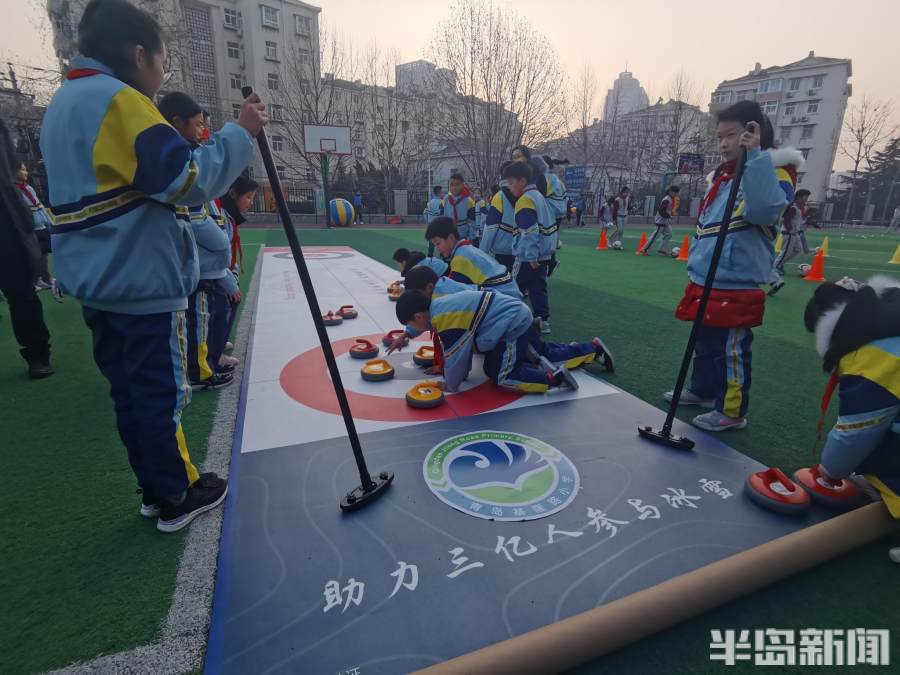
323,158
665,435
368,489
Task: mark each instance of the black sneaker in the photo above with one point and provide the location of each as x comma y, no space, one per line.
561,377
604,356
225,368
217,381
38,370
775,287
205,494
150,501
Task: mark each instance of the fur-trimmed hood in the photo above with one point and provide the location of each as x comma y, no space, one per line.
781,157
848,315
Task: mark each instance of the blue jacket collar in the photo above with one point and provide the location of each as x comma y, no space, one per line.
85,62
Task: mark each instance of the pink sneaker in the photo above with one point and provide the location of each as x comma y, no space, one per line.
716,421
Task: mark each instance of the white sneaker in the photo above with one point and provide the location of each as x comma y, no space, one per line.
41,285
690,398
226,360
864,486
229,346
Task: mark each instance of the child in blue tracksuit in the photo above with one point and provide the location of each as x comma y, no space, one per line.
501,328
722,362
232,207
500,232
459,207
116,172
468,264
481,209
433,209
40,222
537,240
205,318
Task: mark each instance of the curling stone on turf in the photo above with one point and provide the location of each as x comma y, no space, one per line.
347,312
835,494
390,337
332,319
377,370
773,490
424,356
425,395
363,349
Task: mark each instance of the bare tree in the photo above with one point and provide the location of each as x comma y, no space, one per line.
502,83
314,86
583,112
682,118
866,127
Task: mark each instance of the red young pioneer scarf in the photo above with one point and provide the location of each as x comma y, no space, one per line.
725,175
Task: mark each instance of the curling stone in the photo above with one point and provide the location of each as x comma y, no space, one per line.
835,494
363,349
347,312
332,319
425,395
773,490
390,337
377,370
424,356
394,286
395,294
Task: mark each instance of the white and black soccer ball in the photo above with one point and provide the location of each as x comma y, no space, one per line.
676,251
617,245
803,269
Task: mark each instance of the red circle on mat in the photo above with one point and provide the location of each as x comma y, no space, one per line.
295,380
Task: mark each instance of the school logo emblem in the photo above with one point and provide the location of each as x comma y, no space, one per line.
500,475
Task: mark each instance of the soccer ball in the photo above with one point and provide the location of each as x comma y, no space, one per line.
803,269
676,251
617,245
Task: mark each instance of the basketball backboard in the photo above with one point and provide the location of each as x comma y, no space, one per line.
319,138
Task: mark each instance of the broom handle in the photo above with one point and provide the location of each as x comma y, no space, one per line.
707,289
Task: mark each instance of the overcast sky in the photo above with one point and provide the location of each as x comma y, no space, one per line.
711,40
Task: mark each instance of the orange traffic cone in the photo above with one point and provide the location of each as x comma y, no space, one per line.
817,271
642,243
685,249
601,245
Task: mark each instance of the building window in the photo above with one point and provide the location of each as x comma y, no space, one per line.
271,50
800,178
269,17
303,55
357,135
770,107
358,116
231,18
359,152
795,83
812,107
771,85
282,173
302,24
818,81
277,143
234,50
807,131
272,81
276,113
236,80
786,133
235,110
805,153
790,108
721,97
746,95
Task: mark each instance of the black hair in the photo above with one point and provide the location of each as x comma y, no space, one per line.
442,227
457,176
674,188
517,170
180,105
401,255
243,184
745,112
410,304
554,162
611,200
495,188
109,31
436,189
803,192
524,149
624,188
419,277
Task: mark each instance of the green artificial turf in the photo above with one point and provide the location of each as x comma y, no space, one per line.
83,574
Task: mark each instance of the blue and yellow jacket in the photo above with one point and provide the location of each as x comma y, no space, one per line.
432,209
766,189
556,196
39,218
471,265
470,320
461,211
537,236
500,231
116,169
869,415
213,245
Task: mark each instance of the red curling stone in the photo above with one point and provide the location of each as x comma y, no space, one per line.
347,312
390,337
835,494
363,349
332,319
773,490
